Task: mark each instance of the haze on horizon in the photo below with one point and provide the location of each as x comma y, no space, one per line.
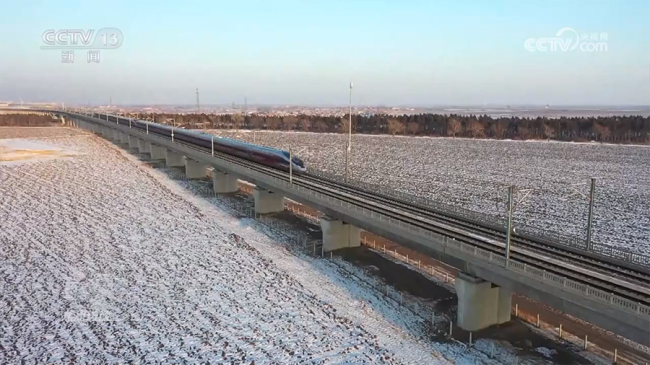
422,53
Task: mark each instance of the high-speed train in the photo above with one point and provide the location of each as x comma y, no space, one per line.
267,156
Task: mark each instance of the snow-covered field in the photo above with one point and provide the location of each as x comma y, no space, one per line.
553,178
106,260
16,151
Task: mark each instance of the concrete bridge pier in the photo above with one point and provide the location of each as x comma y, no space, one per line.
338,234
124,138
133,142
194,169
144,146
117,137
223,183
481,304
157,152
173,159
267,201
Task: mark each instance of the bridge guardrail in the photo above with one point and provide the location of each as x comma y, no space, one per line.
574,242
557,281
485,255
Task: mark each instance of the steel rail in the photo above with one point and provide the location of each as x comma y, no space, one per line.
606,267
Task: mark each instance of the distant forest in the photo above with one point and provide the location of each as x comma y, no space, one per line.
622,129
31,120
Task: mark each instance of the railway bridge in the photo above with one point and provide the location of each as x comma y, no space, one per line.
607,287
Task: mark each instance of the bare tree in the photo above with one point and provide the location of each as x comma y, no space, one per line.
413,127
603,131
237,120
273,123
549,131
344,125
305,124
395,126
190,121
257,122
320,126
476,128
289,122
453,127
499,128
11,119
524,132
213,118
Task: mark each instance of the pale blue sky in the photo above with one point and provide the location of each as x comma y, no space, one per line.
304,52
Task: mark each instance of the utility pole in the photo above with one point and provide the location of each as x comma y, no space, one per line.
349,145
245,105
198,106
110,102
509,232
291,163
590,218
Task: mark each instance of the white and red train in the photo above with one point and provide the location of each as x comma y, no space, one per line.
267,156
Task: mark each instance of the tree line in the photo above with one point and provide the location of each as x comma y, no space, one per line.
30,120
617,129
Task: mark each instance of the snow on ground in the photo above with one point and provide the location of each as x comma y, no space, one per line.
475,174
17,151
106,260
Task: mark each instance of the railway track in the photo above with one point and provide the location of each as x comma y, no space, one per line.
616,279
637,276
